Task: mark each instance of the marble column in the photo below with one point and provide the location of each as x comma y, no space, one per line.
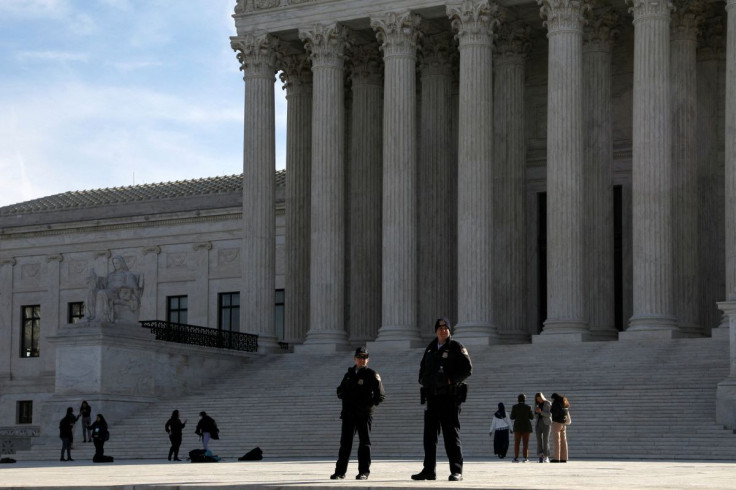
654,310
712,278
599,35
297,77
566,315
8,349
257,55
149,269
509,169
51,311
437,238
397,33
473,21
366,194
326,45
686,19
726,392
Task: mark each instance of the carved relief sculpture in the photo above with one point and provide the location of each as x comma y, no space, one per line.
116,297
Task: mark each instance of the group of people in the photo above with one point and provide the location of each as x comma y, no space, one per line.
548,418
95,432
442,371
206,429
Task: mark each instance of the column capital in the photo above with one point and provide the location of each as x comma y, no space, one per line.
366,63
8,261
474,21
55,258
257,54
650,9
563,15
513,42
296,73
436,54
151,250
601,29
397,32
687,18
325,44
712,37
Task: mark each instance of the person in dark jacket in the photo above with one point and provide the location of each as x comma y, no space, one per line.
207,429
99,436
560,411
444,367
522,415
361,390
66,433
174,427
85,412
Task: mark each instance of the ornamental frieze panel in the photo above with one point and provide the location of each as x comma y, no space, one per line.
246,6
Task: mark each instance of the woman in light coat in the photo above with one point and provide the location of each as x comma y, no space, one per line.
500,429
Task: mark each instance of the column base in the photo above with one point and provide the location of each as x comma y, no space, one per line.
508,338
268,345
561,338
403,333
395,345
690,330
726,403
470,333
603,335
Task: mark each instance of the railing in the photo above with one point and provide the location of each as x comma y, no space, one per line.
204,336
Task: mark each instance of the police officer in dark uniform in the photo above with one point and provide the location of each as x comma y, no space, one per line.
360,391
444,367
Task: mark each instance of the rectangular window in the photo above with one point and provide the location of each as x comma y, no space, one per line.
24,412
279,320
75,312
31,330
176,309
229,308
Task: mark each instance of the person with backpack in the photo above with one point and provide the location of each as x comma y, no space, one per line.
174,427
207,429
100,434
560,420
66,433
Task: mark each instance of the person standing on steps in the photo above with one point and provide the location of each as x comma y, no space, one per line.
361,390
207,429
442,372
66,433
174,427
100,434
85,412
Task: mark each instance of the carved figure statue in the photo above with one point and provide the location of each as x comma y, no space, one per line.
116,297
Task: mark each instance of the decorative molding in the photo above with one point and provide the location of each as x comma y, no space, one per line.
325,44
563,15
105,253
8,261
202,246
397,33
151,250
258,54
55,258
474,21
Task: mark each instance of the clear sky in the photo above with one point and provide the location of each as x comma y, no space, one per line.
107,93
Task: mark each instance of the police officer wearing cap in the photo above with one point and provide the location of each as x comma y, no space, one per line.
444,367
360,391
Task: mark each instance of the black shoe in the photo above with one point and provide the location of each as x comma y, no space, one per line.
554,460
169,458
361,476
337,476
62,459
70,459
177,459
456,477
424,476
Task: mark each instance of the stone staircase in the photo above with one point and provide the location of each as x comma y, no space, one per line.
639,400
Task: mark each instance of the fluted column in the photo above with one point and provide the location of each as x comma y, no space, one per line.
297,77
652,174
566,315
326,45
366,194
437,238
397,34
257,55
726,393
598,36
509,168
686,18
473,21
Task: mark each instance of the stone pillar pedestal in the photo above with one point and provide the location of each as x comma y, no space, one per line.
474,20
654,309
257,54
566,315
726,392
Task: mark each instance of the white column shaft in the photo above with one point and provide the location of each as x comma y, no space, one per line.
730,204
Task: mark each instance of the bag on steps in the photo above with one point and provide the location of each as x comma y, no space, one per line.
202,456
254,454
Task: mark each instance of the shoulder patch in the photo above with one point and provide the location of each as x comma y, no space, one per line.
378,377
464,351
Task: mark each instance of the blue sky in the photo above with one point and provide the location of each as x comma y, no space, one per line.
106,93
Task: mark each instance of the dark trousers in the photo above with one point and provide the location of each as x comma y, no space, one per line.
175,444
351,425
99,446
66,445
442,412
501,442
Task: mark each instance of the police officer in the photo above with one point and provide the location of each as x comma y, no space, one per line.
444,367
360,391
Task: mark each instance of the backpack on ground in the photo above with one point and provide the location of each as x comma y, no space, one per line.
254,454
102,459
202,456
